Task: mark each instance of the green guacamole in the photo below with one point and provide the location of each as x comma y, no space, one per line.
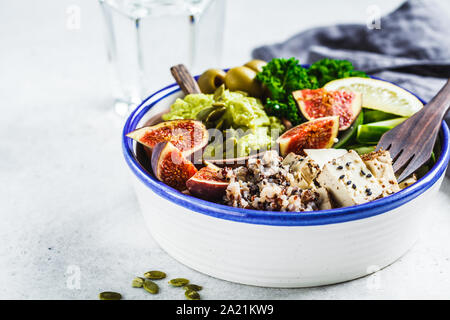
245,126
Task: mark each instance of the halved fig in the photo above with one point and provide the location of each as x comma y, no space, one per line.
319,103
170,166
315,134
208,183
188,136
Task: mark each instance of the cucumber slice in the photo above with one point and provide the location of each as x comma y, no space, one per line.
347,136
376,115
372,132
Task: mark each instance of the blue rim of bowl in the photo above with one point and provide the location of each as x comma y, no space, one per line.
275,218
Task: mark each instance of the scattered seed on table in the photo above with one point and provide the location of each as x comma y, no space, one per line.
192,287
108,295
151,287
178,282
155,275
137,282
192,295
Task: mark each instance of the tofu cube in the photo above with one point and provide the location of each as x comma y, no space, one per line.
408,181
324,198
305,170
322,156
349,180
380,165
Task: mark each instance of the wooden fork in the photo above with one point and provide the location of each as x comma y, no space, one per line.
411,142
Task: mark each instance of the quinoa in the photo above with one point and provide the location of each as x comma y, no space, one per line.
269,183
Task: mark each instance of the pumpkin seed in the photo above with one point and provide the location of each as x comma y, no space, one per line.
192,295
219,93
107,295
155,275
218,105
219,124
178,282
204,113
137,282
192,287
151,287
209,125
215,114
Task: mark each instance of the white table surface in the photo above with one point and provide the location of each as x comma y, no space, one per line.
66,198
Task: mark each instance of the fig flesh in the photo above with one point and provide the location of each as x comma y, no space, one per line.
319,103
208,183
188,136
315,134
170,166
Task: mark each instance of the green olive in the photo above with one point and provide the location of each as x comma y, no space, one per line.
210,80
243,79
256,65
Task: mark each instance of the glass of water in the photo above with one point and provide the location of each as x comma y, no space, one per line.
146,37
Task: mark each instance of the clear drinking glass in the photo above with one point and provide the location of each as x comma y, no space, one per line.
146,37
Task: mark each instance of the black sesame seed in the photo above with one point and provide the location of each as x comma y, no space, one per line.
342,177
348,164
349,182
363,173
369,175
354,186
340,167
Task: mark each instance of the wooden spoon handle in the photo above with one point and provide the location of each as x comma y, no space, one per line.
440,104
184,79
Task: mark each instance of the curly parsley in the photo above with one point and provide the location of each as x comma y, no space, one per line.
326,70
282,76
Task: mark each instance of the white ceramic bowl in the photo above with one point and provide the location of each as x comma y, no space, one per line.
278,249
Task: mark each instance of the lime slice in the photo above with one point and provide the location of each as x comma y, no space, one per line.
379,95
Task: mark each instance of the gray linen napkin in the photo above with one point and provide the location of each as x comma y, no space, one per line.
412,48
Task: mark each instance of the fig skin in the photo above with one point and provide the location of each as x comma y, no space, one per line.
170,166
208,183
345,104
309,135
167,131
